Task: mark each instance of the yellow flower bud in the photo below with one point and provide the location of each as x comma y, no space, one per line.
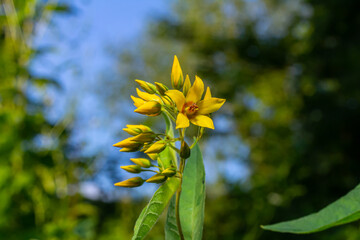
144,137
169,172
161,88
147,87
187,85
132,168
143,162
138,101
131,182
184,150
146,146
177,78
157,147
140,127
157,178
129,149
150,108
153,156
127,143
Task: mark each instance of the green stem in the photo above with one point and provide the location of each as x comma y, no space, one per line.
177,202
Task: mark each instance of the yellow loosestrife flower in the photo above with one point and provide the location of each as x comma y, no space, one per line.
192,109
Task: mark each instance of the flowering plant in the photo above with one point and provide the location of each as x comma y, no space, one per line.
180,171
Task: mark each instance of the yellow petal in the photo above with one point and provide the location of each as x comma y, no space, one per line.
137,101
196,91
147,96
182,121
207,94
177,78
202,121
178,97
187,85
207,106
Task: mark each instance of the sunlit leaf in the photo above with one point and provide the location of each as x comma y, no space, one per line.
344,210
154,208
192,200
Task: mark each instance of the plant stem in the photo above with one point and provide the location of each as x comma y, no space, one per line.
177,202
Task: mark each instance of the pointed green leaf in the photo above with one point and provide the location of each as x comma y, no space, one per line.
154,208
344,210
168,156
192,199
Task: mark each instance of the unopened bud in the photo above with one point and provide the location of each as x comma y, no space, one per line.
147,87
185,150
169,172
132,168
161,88
153,156
157,178
143,162
136,129
144,137
130,149
146,146
150,108
131,182
137,101
128,143
177,78
157,147
187,85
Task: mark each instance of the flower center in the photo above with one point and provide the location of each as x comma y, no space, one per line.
190,108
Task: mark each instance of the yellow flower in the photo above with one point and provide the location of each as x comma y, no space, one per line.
192,108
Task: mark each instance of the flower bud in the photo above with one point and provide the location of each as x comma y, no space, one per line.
146,146
130,149
161,88
144,137
128,143
184,150
169,172
137,101
153,156
177,78
187,85
131,182
132,168
157,178
147,87
143,162
150,108
157,147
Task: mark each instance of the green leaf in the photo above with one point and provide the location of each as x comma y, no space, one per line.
154,208
344,210
192,199
171,229
168,156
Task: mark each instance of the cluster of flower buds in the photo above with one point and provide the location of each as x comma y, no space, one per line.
182,107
